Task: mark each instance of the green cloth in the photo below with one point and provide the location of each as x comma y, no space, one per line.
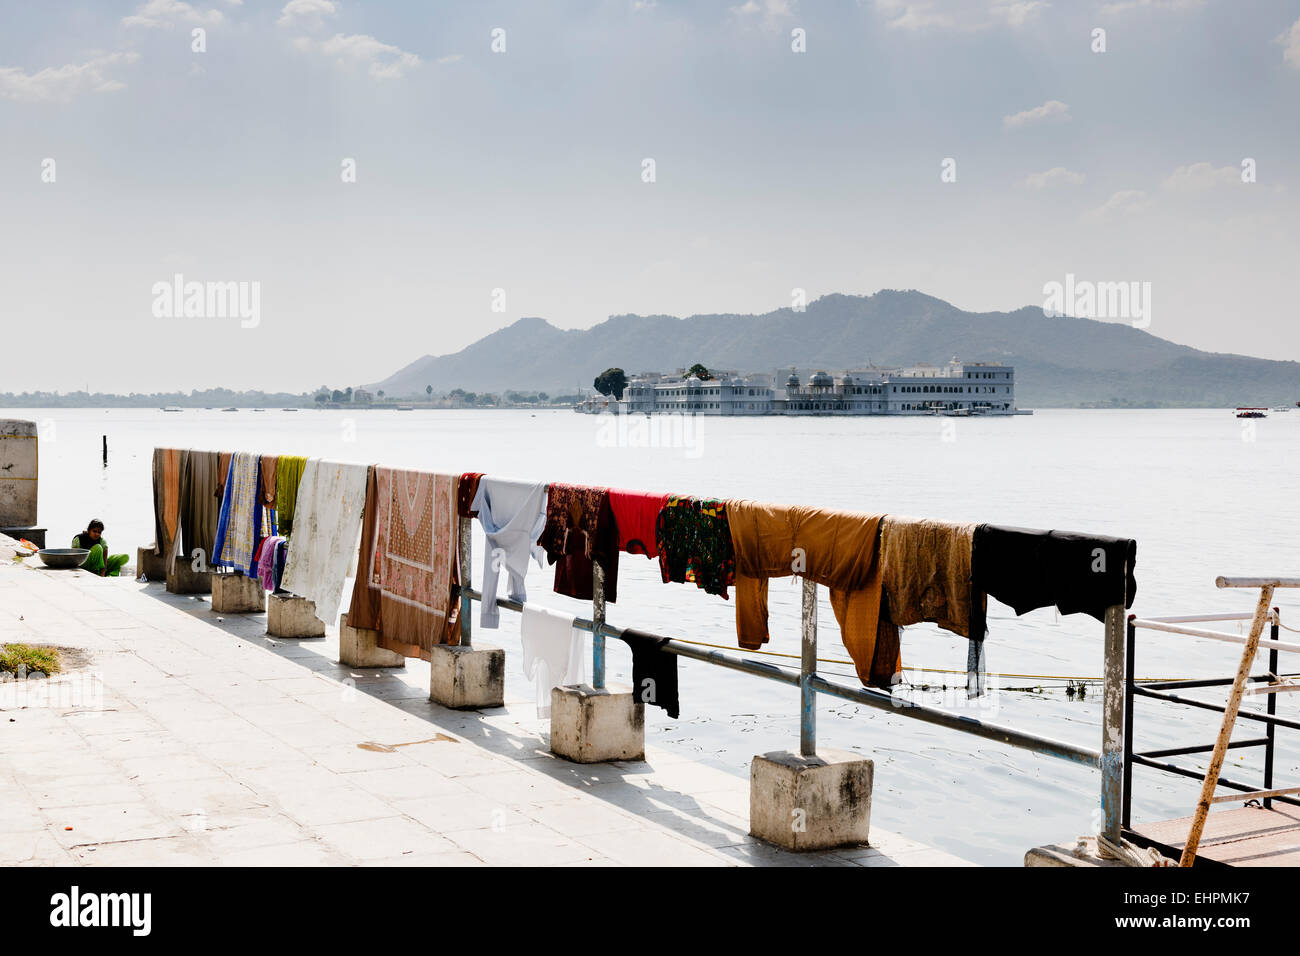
288,472
99,558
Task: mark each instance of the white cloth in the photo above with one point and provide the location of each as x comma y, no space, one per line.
513,514
552,652
326,528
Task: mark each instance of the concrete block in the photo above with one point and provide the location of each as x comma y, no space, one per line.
183,579
592,726
18,472
234,593
152,566
810,803
359,647
465,678
288,615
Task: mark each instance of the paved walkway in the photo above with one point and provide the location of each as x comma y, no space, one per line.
194,739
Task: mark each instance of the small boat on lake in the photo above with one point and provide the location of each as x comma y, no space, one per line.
1252,412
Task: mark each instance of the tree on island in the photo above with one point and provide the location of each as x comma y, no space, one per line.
428,391
612,381
700,372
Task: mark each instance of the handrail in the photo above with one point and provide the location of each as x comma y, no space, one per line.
1227,582
1265,644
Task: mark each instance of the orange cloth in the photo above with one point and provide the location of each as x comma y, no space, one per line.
837,549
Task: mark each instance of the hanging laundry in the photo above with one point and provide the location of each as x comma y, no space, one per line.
1027,569
512,514
466,489
270,464
223,472
552,652
694,543
266,561
281,556
328,521
407,573
167,464
927,577
654,671
580,530
288,474
239,524
837,549
200,506
636,514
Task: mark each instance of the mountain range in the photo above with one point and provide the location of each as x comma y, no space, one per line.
1061,361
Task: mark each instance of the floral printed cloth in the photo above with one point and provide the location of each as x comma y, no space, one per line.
694,542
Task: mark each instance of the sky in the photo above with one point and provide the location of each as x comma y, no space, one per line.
401,179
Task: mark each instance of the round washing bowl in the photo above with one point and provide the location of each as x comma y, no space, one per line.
63,557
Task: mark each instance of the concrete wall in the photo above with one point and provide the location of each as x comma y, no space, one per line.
17,473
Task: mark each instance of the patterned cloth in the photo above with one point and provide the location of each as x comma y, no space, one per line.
580,529
239,526
288,475
407,575
268,557
694,542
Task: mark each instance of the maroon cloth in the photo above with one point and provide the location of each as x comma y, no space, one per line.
466,490
580,529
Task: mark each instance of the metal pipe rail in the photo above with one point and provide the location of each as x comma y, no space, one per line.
1109,759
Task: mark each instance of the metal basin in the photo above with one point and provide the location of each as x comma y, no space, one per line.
63,557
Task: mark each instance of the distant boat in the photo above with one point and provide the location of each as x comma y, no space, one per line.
259,409
173,408
231,409
288,409
1281,408
406,408
1252,412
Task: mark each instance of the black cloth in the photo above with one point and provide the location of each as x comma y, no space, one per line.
1027,569
654,671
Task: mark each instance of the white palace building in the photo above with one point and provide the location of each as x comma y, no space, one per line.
958,388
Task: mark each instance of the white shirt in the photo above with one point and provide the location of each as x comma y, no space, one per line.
513,514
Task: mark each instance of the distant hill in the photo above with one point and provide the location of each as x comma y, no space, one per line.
1059,361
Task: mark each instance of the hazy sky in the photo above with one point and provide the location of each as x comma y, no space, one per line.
522,170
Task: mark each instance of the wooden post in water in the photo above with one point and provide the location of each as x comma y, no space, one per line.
105,451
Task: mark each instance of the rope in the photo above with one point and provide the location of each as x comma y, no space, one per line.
1130,854
935,670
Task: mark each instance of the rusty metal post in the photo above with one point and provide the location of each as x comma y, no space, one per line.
808,671
1112,725
597,626
465,602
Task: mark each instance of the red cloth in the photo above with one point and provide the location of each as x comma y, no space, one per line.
635,513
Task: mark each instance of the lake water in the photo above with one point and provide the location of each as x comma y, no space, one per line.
1203,494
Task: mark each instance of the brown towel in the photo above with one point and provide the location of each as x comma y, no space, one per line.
927,573
837,549
269,465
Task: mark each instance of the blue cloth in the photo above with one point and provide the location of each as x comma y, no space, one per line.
235,513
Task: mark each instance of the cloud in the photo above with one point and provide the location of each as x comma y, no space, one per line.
1290,41
1126,202
1123,6
769,12
1201,176
385,61
309,14
450,58
1051,110
1056,176
168,13
62,84
917,15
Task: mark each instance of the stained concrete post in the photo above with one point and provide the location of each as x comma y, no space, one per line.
288,615
234,593
592,726
183,579
359,647
810,803
467,678
18,473
152,566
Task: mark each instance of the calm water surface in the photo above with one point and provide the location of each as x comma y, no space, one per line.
1202,493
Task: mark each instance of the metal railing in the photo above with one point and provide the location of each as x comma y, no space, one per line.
1109,759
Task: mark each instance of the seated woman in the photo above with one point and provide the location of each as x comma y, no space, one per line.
99,560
